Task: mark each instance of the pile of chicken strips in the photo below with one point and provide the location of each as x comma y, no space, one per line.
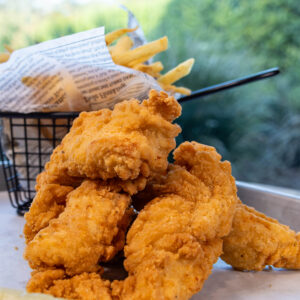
109,192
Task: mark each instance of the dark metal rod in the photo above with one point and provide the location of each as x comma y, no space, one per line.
230,84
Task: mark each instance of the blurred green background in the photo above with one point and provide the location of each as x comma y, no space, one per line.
256,127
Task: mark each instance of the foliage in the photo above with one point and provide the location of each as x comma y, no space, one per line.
257,126
23,24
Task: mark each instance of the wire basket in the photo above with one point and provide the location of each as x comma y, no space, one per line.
26,143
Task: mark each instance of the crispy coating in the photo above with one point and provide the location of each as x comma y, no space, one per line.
51,177
170,275
90,229
49,202
257,241
50,199
215,213
53,174
176,238
84,286
125,145
132,140
129,186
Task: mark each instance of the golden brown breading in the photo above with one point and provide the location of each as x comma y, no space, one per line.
48,203
167,262
50,199
41,280
86,286
204,163
257,241
61,178
170,275
176,238
56,171
49,177
128,186
90,229
132,140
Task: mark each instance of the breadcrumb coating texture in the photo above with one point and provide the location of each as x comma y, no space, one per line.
257,241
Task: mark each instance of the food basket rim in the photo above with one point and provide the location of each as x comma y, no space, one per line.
9,114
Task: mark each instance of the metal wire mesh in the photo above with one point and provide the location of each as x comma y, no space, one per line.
26,144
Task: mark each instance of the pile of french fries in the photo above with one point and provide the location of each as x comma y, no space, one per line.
122,54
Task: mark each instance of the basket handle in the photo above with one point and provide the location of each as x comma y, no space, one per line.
231,84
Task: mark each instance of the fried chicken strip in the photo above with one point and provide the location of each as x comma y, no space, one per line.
132,140
55,174
176,238
90,229
50,199
257,241
84,286
49,202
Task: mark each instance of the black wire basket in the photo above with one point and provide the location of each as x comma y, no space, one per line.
26,145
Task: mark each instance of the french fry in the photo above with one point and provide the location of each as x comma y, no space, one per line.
155,67
152,69
124,44
175,89
182,90
9,49
178,72
114,35
141,54
4,57
139,61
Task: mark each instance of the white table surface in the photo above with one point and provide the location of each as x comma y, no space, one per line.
14,270
224,283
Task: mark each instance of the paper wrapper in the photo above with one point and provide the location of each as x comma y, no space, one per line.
72,73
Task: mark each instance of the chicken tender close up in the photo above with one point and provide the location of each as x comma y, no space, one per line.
132,140
90,229
257,241
55,173
49,202
176,239
48,177
88,286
